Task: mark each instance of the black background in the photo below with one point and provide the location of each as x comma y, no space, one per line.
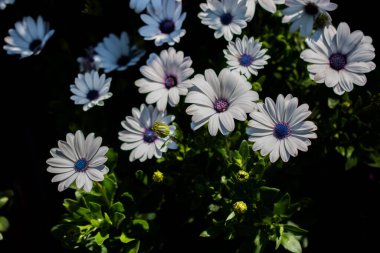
346,202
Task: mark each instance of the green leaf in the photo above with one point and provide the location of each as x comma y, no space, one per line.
332,103
295,229
230,216
3,201
126,239
290,243
99,239
351,163
117,207
141,176
4,224
132,247
1,237
128,195
244,150
112,156
118,218
71,205
141,223
282,205
96,209
110,185
212,232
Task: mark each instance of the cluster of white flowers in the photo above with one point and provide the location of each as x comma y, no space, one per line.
279,129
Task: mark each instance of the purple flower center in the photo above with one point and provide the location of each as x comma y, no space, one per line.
167,26
311,9
170,81
246,60
35,45
226,19
92,95
338,61
123,60
81,165
149,135
281,130
221,105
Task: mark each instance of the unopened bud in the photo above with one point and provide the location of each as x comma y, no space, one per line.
161,129
158,176
240,207
242,176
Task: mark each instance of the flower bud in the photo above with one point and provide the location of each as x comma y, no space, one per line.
242,176
240,207
161,129
158,177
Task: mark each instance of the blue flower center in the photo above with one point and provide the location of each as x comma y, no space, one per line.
226,19
167,26
170,81
123,60
35,45
221,105
338,61
246,60
80,165
92,95
281,130
150,136
311,9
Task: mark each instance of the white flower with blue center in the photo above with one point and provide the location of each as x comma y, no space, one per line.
246,56
143,133
28,38
78,159
3,3
303,13
163,22
166,77
90,89
218,100
226,17
116,54
279,129
340,58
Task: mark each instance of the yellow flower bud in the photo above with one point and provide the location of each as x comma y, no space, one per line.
242,176
161,129
158,176
240,207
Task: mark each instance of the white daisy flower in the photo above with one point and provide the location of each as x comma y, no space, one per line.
143,134
280,129
226,17
245,56
163,22
218,100
90,89
268,5
340,58
88,62
140,5
28,38
78,159
166,78
116,54
3,3
251,8
303,13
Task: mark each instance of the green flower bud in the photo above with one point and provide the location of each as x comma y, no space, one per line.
240,207
158,177
161,129
322,21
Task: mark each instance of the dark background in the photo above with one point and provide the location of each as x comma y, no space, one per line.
33,118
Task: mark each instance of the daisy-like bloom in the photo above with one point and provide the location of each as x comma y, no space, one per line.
165,78
90,89
28,38
116,54
88,62
246,56
218,100
163,22
143,133
268,5
303,13
280,129
340,58
78,159
3,3
226,17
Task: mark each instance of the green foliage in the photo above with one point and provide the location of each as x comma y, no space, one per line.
4,200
